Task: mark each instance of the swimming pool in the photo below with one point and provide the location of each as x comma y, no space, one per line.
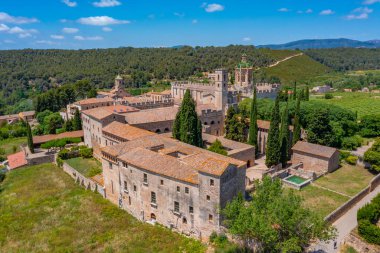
296,179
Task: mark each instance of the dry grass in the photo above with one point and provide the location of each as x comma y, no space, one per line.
42,209
8,144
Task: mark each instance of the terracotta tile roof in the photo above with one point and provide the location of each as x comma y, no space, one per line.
93,101
205,107
193,159
99,179
45,138
125,131
105,111
152,115
11,116
17,160
265,124
315,149
160,164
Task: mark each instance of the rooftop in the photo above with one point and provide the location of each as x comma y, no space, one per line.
105,111
17,160
315,149
89,101
45,138
125,131
152,115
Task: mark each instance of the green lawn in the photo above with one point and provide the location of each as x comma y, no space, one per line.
348,180
43,210
320,200
8,144
363,103
87,167
300,69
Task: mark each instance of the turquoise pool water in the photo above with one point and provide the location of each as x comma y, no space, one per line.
296,179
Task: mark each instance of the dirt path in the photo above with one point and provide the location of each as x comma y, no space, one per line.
282,60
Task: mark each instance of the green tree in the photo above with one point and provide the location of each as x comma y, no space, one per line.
307,95
297,123
236,129
228,120
319,130
253,128
77,121
29,137
284,137
273,145
187,124
275,219
217,147
52,123
294,95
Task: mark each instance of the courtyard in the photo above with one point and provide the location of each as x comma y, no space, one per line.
88,167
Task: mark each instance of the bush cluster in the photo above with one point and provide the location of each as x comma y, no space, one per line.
352,159
60,143
368,216
352,142
372,156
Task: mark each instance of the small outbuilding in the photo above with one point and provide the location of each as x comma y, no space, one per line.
315,158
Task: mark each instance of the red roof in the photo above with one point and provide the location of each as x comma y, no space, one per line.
45,138
17,160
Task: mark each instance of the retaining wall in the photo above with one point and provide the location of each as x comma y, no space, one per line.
87,183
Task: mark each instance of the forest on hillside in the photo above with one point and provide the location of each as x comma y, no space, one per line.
345,59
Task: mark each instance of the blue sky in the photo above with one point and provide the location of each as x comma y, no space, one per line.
155,23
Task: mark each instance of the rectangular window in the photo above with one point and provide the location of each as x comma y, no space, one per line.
176,206
186,189
212,182
153,197
145,178
134,188
208,197
162,182
178,189
191,209
210,217
110,164
125,186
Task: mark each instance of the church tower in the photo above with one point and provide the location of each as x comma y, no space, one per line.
119,82
244,73
221,88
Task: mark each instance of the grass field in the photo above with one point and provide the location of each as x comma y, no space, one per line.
43,210
348,180
300,69
87,167
8,144
363,103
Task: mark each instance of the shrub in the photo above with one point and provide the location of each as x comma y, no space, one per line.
352,143
329,96
2,158
343,155
369,212
352,159
86,152
370,232
367,217
2,176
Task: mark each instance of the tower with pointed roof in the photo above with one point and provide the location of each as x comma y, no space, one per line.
244,73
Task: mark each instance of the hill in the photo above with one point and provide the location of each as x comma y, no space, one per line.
324,43
43,210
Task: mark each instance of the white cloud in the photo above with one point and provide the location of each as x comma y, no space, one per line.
246,39
106,3
194,21
70,30
283,10
102,21
47,42
369,2
181,15
4,28
107,29
88,38
57,37
22,33
70,4
6,18
327,12
309,11
359,13
212,7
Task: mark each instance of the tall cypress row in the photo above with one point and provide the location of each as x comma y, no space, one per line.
284,136
77,124
187,126
29,137
294,96
297,124
253,128
307,93
273,144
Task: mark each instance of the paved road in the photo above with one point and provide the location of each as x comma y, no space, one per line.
345,224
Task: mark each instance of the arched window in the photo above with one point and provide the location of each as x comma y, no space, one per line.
158,131
152,216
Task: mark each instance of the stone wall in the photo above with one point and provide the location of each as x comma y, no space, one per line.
359,244
82,180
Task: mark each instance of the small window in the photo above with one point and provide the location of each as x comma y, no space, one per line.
191,209
145,178
186,189
184,220
110,164
210,217
178,189
208,197
134,188
176,206
212,182
162,182
125,186
153,197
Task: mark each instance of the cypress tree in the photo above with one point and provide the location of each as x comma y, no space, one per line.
187,126
29,137
307,96
273,144
77,124
253,129
297,124
294,91
228,121
284,136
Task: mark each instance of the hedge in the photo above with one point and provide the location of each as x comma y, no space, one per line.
60,143
368,216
